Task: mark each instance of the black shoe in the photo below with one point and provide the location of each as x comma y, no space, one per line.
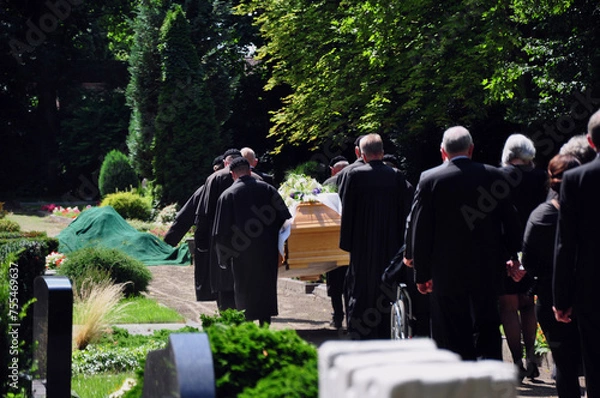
522,372
532,370
336,323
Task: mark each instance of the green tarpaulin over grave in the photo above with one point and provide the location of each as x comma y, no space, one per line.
103,226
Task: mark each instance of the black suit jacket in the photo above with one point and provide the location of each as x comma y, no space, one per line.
577,256
464,227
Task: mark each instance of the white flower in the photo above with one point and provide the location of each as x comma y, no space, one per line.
301,188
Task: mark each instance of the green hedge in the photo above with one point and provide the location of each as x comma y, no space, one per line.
92,261
28,255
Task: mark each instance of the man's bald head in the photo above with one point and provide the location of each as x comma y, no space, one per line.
249,154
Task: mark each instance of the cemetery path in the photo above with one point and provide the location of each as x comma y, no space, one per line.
307,313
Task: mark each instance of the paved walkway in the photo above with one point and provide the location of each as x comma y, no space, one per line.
307,313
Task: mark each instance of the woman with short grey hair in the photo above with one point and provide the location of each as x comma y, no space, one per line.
517,311
518,149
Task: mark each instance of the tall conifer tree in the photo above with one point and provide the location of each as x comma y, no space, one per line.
187,134
143,88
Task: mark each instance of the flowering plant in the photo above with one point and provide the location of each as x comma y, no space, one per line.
69,212
54,260
301,188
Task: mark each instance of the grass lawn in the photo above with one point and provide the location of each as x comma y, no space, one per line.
52,226
145,310
96,386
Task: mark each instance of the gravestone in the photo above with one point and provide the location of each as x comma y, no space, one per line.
53,332
182,370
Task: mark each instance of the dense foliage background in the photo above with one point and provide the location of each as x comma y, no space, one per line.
172,83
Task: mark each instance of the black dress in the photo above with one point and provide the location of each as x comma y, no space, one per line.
528,189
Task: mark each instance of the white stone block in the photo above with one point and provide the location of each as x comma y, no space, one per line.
329,351
492,379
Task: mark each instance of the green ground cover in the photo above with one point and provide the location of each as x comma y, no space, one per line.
101,385
144,310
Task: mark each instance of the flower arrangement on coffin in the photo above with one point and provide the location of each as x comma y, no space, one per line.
309,242
54,260
301,188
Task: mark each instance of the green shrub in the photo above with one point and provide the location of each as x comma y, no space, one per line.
167,214
120,337
103,358
246,353
290,382
40,235
121,351
229,317
129,205
121,267
116,174
7,225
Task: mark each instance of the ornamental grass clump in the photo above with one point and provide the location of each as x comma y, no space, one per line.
96,307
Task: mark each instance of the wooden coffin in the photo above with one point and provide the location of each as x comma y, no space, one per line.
312,248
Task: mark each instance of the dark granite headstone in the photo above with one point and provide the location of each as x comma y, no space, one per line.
53,332
182,370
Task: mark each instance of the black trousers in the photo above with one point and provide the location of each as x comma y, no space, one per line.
563,340
335,290
589,325
226,300
201,277
467,324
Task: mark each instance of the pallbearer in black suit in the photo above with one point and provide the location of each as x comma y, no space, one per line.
249,154
463,228
577,257
192,214
221,280
335,278
248,217
372,230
